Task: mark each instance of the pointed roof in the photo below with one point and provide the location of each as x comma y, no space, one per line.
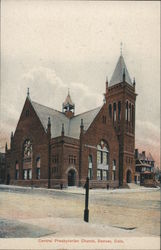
68,100
120,69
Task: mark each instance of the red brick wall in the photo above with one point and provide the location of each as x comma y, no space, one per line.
96,132
29,128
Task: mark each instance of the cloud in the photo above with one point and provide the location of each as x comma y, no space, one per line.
47,88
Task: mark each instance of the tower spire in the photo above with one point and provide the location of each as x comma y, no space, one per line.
28,92
68,106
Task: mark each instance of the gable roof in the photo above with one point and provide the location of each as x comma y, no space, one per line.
142,157
117,76
57,118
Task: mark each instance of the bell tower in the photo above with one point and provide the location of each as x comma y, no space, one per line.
120,99
68,107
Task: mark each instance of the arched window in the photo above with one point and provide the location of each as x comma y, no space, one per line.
38,168
27,160
129,113
16,170
102,161
119,110
110,110
90,170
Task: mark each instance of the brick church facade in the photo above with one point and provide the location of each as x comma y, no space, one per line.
53,149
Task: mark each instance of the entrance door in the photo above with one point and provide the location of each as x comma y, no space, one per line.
71,178
8,179
128,176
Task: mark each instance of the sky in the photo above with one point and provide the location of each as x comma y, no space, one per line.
50,46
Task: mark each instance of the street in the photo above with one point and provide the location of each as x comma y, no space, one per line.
26,212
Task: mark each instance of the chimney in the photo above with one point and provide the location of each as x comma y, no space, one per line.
136,153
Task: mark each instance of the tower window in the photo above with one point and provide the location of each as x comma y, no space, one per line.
119,110
129,113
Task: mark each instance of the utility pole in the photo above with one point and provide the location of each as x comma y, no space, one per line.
86,210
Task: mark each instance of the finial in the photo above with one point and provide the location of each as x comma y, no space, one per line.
49,122
62,130
11,134
134,81
121,44
68,91
82,123
123,74
28,92
106,79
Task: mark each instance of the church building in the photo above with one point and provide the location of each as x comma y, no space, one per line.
57,149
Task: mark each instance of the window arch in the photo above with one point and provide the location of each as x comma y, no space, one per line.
102,161
27,160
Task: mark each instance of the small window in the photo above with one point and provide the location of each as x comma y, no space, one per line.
72,159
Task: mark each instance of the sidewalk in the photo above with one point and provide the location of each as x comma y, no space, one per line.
78,190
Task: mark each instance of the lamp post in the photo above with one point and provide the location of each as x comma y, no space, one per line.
86,210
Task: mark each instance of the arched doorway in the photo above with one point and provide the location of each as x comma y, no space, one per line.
71,177
8,179
128,176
